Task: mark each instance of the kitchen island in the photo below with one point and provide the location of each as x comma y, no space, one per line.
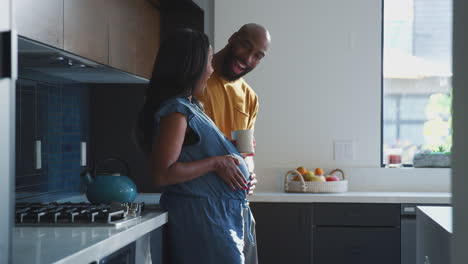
434,231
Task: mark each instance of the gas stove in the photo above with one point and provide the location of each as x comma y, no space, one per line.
77,214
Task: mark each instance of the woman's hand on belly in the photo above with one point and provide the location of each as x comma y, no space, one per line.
227,168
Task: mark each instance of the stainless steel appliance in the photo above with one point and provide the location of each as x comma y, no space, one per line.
7,132
408,233
76,214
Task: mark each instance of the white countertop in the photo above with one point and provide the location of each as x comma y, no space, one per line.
87,244
354,197
78,244
442,215
346,197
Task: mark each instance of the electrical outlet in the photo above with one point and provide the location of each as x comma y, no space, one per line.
343,150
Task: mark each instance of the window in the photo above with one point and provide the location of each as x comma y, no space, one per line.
417,74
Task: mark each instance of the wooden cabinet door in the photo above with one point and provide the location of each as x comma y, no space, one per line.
363,245
123,20
86,29
148,39
133,36
284,232
40,20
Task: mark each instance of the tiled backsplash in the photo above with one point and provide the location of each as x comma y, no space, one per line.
56,114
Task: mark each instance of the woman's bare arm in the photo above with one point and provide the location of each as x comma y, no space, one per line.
166,151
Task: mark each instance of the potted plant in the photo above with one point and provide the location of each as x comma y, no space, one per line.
438,158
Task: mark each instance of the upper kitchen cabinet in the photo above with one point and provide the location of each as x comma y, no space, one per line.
148,39
86,29
134,30
41,20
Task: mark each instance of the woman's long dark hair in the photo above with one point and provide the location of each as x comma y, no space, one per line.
179,65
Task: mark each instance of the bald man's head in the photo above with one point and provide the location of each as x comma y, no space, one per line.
256,30
244,51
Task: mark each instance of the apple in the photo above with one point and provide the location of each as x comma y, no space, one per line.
308,176
296,178
318,179
332,178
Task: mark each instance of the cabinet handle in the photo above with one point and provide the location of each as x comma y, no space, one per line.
38,152
354,250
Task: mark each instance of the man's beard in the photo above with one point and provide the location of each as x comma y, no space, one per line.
226,70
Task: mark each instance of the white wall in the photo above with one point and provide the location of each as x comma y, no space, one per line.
319,82
5,18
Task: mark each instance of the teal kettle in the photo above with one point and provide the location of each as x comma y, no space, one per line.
108,187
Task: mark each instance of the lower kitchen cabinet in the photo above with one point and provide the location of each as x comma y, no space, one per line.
357,233
337,245
284,232
327,233
158,246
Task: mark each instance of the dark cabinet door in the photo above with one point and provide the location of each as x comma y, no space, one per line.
363,245
159,246
284,232
349,214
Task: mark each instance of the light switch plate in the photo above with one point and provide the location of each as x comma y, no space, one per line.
343,150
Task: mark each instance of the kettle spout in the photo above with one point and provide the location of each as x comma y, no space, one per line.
86,176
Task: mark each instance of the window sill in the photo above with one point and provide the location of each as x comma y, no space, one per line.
399,179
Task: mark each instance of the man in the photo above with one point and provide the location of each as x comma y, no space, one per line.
229,101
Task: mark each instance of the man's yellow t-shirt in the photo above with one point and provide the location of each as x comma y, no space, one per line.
231,105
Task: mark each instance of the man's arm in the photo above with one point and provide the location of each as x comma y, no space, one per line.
253,113
249,160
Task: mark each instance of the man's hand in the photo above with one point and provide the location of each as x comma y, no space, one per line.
252,183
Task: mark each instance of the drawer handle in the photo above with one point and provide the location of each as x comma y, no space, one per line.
352,214
354,250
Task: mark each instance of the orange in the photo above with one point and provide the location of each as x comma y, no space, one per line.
302,170
318,171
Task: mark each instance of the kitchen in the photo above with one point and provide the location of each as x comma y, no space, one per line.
342,34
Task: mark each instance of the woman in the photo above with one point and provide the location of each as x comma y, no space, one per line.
204,176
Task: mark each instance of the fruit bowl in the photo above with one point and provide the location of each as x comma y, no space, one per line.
302,186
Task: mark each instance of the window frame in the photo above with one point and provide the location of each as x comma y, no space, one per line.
382,96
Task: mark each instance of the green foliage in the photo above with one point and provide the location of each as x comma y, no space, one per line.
442,149
438,127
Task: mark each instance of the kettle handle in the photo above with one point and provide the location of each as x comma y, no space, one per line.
122,161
